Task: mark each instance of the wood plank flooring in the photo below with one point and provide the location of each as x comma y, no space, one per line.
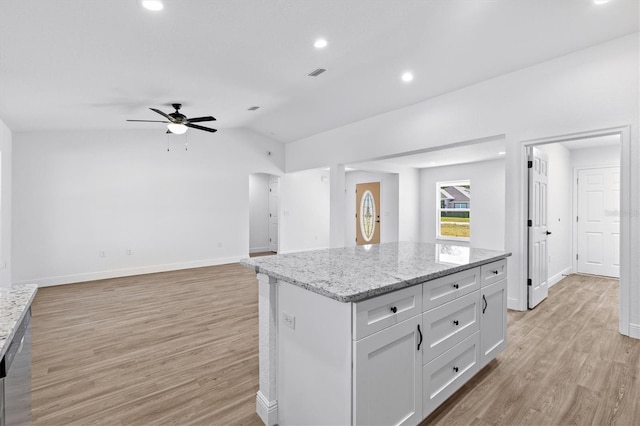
170,348
181,348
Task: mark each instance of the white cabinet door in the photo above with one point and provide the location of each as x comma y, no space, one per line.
493,321
388,376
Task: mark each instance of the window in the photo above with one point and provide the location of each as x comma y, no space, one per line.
452,216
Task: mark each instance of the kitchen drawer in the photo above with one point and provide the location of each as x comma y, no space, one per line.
447,373
444,289
380,312
449,324
493,272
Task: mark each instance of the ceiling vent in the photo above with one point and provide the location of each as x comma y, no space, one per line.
316,73
253,108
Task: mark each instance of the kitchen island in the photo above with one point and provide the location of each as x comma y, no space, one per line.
378,334
15,353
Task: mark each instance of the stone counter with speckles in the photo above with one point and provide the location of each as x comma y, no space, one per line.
14,304
352,274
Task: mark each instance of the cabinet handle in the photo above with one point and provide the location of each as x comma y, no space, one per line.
484,308
455,369
455,322
456,285
495,271
419,332
394,309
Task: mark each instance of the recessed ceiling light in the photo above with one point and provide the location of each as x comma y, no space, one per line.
407,76
154,5
320,43
501,153
601,1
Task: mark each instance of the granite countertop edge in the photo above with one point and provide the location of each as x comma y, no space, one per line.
360,296
12,320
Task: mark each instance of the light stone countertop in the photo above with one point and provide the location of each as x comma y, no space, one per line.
352,274
14,304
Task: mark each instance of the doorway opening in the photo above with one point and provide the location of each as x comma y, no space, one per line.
263,214
573,225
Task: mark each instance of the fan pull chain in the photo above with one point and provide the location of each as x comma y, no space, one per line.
186,141
168,142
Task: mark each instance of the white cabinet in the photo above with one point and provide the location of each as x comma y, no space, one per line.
447,373
378,313
387,385
493,320
449,324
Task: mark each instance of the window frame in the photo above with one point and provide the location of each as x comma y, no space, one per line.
439,209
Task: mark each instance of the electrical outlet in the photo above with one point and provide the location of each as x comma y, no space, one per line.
129,252
102,253
289,320
219,244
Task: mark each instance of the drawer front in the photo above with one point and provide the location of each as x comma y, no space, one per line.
447,373
378,313
447,325
445,289
493,272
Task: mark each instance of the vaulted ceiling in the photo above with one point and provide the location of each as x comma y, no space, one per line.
78,64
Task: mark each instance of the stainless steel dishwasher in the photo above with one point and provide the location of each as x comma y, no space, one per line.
15,381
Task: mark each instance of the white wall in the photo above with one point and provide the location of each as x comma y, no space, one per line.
389,202
77,194
304,211
258,212
595,157
487,218
562,96
6,145
559,212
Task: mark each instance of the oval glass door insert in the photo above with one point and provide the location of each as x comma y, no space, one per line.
367,216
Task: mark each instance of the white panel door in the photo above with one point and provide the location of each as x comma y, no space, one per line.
599,221
273,214
538,231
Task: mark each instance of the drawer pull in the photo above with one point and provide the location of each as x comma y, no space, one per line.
495,271
420,332
394,309
455,322
456,285
455,369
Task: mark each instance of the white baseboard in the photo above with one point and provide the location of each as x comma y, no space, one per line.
259,249
117,273
267,411
302,250
634,331
559,276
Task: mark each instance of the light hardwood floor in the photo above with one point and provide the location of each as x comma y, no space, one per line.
181,348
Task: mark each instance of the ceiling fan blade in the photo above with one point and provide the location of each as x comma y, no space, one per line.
198,119
167,116
206,129
150,121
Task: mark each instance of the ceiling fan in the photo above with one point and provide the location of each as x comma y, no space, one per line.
178,123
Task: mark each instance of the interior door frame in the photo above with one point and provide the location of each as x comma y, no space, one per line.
626,248
574,202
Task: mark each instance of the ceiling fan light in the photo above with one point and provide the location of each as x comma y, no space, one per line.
176,128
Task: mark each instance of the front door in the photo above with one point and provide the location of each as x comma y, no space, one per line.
538,228
599,221
368,213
